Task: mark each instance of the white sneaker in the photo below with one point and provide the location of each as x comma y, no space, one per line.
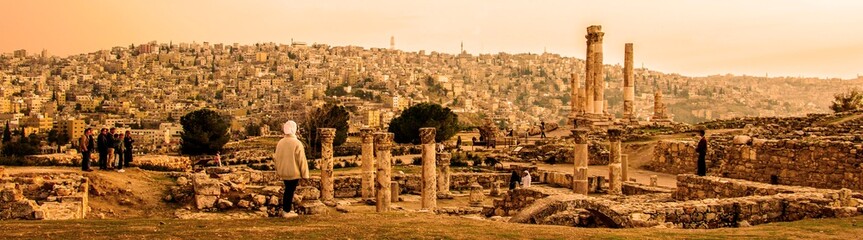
290,214
121,170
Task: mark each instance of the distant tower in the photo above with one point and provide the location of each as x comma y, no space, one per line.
392,43
462,47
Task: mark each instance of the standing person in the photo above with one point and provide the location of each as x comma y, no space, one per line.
111,141
514,180
85,145
542,129
121,147
702,153
127,146
291,165
458,144
525,181
102,147
219,158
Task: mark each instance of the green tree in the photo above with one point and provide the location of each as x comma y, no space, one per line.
406,126
19,149
204,132
7,133
336,91
328,116
847,101
253,130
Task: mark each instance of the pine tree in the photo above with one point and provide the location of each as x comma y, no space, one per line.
7,134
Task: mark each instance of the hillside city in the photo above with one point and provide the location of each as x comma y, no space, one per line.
146,88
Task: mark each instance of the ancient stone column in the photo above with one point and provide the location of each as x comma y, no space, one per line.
326,136
395,191
429,178
476,196
615,182
628,84
367,188
624,167
588,77
594,43
443,176
383,145
574,97
579,180
659,111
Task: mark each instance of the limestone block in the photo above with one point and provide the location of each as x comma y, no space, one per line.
225,204
205,201
308,193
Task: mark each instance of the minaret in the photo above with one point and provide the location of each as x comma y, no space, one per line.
392,43
462,47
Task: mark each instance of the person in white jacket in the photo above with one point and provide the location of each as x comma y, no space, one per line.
291,165
525,180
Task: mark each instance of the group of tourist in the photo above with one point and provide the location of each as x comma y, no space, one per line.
115,149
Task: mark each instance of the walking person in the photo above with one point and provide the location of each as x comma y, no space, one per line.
127,147
102,147
514,180
85,145
525,180
291,165
702,153
542,129
121,156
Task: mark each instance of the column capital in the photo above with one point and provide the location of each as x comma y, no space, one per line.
367,136
614,134
427,135
580,135
443,159
384,141
327,135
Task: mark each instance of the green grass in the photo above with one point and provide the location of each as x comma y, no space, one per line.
399,225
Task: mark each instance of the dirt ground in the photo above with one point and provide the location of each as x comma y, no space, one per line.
398,225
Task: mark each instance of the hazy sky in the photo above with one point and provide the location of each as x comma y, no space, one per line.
755,37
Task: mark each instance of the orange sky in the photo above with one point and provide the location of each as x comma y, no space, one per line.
775,37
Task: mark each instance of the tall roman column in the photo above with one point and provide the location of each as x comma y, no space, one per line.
383,145
594,41
579,182
326,137
574,104
429,178
367,188
628,83
615,183
443,172
588,76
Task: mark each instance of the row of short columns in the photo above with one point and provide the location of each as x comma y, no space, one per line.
617,167
377,172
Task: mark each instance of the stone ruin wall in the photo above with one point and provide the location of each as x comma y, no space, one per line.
148,162
821,164
221,189
47,196
699,202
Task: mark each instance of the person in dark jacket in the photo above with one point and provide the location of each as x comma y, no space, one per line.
102,147
127,150
514,180
702,153
85,144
